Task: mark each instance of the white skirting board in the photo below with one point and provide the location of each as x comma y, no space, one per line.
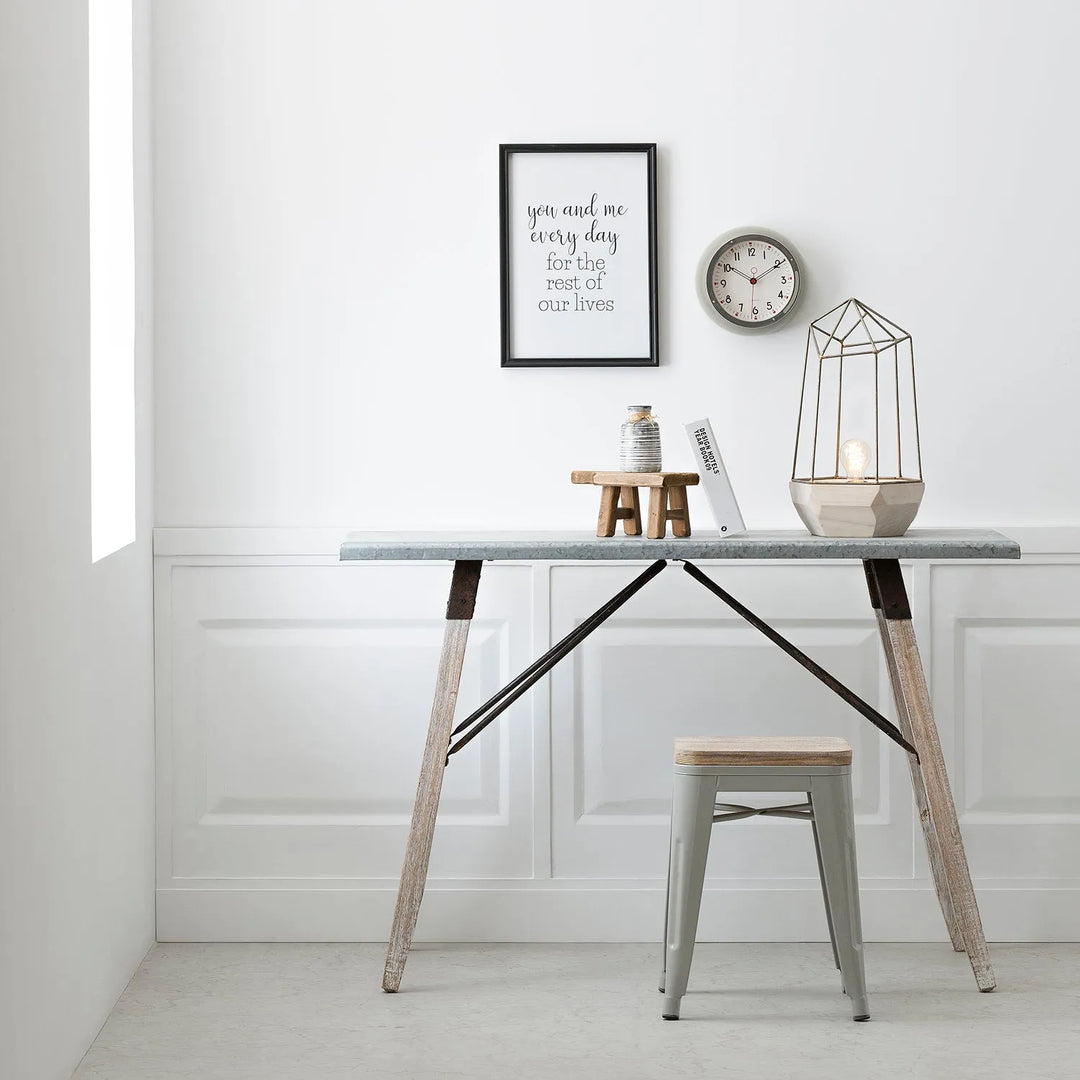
292,701
583,914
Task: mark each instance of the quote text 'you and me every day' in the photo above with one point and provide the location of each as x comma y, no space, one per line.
574,275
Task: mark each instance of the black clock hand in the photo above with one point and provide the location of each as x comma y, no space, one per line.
769,271
740,273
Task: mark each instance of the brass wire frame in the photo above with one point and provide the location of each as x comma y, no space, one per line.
819,339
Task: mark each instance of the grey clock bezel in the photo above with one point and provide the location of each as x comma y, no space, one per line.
709,259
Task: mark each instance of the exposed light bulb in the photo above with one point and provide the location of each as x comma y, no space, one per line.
855,457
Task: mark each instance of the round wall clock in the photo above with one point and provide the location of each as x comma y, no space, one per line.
750,280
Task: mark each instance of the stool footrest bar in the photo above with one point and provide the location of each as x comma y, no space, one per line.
734,811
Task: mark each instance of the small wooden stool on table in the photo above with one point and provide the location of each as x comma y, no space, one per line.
619,500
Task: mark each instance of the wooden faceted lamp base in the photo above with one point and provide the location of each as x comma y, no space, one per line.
667,501
857,508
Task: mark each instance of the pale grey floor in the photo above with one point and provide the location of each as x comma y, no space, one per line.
562,1012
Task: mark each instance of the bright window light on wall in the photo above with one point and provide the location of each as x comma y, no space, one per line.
112,279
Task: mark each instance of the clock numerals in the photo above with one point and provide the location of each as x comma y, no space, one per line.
737,281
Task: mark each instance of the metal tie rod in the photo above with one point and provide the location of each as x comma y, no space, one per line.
736,811
506,697
815,669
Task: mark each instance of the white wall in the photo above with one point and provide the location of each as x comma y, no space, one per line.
326,284
327,244
76,731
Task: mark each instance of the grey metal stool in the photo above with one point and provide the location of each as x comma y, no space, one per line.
819,766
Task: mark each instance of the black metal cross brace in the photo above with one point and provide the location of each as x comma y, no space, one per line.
479,719
506,697
815,669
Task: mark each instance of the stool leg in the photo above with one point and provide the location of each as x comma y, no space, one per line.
658,502
691,827
825,893
680,525
667,913
632,522
830,798
609,503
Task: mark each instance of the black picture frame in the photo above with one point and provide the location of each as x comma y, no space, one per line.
602,342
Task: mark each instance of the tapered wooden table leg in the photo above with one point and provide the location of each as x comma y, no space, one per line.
933,794
459,613
918,787
918,784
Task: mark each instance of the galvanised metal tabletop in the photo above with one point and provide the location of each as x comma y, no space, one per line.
785,544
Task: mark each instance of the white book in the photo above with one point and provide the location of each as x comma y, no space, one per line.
714,478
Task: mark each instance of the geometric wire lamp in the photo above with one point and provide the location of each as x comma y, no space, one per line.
857,469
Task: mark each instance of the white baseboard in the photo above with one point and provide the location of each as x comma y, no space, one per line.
594,914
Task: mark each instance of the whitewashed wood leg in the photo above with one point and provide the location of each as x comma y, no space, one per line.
913,702
459,612
918,787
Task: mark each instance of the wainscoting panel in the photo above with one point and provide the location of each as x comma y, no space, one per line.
293,717
1007,687
293,695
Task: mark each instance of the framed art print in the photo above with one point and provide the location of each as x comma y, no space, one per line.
578,254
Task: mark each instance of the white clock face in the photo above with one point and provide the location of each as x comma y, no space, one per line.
753,281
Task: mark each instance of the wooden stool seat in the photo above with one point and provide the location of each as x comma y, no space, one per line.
761,750
667,500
